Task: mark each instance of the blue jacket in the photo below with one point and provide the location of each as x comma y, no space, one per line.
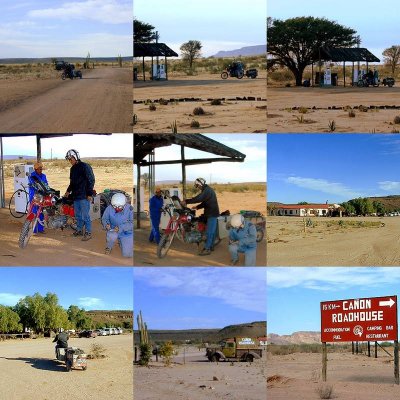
156,204
246,236
41,177
122,219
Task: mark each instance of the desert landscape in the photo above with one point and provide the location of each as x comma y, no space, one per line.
36,99
177,98
350,376
356,241
58,247
28,368
253,198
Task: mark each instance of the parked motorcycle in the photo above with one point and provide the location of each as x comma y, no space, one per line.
73,357
72,73
58,212
236,70
184,225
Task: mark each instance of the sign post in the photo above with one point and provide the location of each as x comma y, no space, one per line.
358,320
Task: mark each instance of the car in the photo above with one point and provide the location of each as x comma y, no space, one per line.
119,330
107,331
88,334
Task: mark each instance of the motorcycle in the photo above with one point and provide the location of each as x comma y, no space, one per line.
236,70
73,357
71,74
58,212
184,225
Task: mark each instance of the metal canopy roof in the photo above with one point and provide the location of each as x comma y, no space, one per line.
144,144
352,54
152,50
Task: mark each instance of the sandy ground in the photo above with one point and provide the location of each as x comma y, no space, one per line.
101,102
288,245
194,380
353,377
281,117
185,254
58,247
29,371
232,116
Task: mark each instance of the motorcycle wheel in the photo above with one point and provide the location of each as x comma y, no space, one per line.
224,75
260,234
165,244
63,76
360,84
68,365
26,233
240,75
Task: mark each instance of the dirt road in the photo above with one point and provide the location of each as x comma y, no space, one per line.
101,102
194,380
353,377
327,104
332,245
29,371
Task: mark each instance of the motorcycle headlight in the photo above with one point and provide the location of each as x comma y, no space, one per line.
188,218
37,198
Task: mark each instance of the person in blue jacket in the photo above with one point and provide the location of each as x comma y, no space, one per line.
242,239
118,222
156,203
37,174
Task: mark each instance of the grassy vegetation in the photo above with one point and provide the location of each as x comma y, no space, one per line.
286,349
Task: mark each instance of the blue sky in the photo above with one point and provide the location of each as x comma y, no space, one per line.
376,22
294,293
194,297
89,288
333,167
59,28
219,25
115,145
253,169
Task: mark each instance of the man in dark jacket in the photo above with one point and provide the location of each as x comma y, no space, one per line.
208,200
81,187
62,341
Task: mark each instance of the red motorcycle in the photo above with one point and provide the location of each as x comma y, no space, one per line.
184,225
58,212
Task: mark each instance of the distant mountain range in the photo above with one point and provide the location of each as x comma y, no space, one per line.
18,157
295,338
244,51
47,60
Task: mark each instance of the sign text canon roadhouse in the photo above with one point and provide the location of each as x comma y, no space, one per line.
370,319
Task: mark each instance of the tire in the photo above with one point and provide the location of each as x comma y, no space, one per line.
360,84
63,76
84,368
17,193
240,75
214,358
260,234
224,75
165,244
68,365
26,233
390,84
249,358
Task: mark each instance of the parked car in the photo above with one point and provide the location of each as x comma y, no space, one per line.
119,330
107,331
87,334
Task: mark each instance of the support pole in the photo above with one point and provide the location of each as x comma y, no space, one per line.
376,349
352,347
38,148
324,361
166,68
144,73
344,74
396,362
183,172
312,74
356,347
369,349
138,197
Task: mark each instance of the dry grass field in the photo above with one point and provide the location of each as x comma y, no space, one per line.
58,247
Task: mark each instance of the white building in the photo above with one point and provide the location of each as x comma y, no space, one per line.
305,210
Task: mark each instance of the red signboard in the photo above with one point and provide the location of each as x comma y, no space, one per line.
363,320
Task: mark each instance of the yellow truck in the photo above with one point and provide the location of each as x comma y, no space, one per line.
238,348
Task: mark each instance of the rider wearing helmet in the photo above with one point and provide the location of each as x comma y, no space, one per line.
208,200
118,222
81,187
242,239
37,174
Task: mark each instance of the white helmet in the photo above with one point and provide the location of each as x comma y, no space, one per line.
199,182
118,201
237,221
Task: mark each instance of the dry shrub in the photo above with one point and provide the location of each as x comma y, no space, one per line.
352,114
198,111
325,391
163,102
397,119
97,351
216,102
152,107
195,124
303,110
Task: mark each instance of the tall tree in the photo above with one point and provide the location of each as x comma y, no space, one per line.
190,51
143,32
78,318
9,320
391,57
294,42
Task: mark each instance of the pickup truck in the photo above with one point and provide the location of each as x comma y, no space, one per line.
239,348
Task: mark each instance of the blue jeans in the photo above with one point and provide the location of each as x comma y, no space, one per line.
211,232
81,209
249,254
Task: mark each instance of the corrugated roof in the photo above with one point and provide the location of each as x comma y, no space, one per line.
352,54
146,143
152,50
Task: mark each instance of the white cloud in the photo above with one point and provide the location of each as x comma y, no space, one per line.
330,278
10,299
322,185
242,288
90,302
106,11
390,186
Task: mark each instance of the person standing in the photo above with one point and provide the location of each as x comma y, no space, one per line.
208,200
242,239
37,175
118,222
156,203
81,187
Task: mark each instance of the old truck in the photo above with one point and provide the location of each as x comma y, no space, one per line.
238,348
